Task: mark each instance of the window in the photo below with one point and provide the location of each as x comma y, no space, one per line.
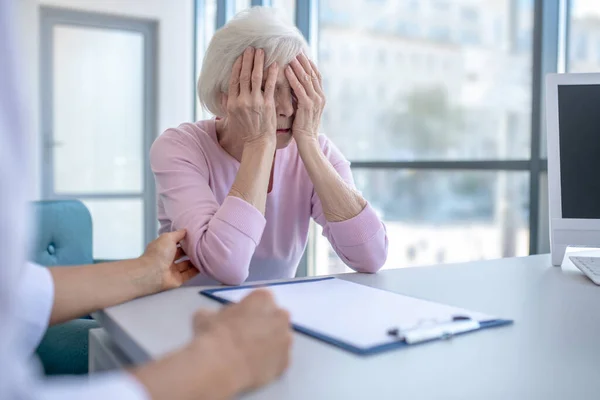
288,7
428,122
469,37
521,27
441,5
440,217
206,24
442,112
382,56
584,32
440,33
405,28
241,5
469,14
412,5
580,47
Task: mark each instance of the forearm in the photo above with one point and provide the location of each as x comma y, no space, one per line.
202,370
81,290
252,181
340,201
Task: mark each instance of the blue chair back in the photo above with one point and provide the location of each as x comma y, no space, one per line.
63,236
63,233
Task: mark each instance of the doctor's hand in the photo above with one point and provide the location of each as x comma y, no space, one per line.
239,348
161,270
254,336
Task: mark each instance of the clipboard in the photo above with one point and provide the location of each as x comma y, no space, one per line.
361,319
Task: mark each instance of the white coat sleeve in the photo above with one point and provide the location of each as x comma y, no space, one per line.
33,306
26,291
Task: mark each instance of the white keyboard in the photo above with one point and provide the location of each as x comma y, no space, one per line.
589,266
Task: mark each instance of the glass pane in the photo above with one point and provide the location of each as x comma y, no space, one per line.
584,36
98,110
118,228
204,34
415,80
210,21
242,5
437,217
288,7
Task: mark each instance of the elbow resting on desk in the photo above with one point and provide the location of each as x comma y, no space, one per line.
369,258
224,262
361,242
222,265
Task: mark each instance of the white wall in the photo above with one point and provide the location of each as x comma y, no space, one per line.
175,59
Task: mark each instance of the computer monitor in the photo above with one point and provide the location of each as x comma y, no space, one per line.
573,133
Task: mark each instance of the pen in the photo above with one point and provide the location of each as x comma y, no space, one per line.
441,330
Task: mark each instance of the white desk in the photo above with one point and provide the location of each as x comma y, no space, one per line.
551,352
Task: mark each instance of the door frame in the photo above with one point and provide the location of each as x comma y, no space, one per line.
53,16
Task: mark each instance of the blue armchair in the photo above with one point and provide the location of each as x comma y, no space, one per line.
63,237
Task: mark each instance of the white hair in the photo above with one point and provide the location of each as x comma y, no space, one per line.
260,27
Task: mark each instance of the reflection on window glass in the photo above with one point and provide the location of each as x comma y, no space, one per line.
203,36
584,36
466,74
435,217
288,7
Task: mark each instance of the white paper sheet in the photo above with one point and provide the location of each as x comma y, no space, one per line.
353,313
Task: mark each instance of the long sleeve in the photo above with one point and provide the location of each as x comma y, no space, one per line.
221,238
29,320
35,296
361,242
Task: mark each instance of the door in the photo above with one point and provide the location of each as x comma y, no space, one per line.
97,76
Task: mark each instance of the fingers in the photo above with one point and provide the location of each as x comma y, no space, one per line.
184,265
318,82
190,272
271,80
303,71
260,299
316,70
287,338
307,66
234,80
296,86
246,72
202,320
179,254
257,71
176,236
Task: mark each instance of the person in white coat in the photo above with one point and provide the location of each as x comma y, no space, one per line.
234,350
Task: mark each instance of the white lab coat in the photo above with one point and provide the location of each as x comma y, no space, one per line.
27,290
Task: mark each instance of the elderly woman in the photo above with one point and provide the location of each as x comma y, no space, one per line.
245,184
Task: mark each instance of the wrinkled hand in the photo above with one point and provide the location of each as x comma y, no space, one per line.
255,332
159,260
250,110
306,82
